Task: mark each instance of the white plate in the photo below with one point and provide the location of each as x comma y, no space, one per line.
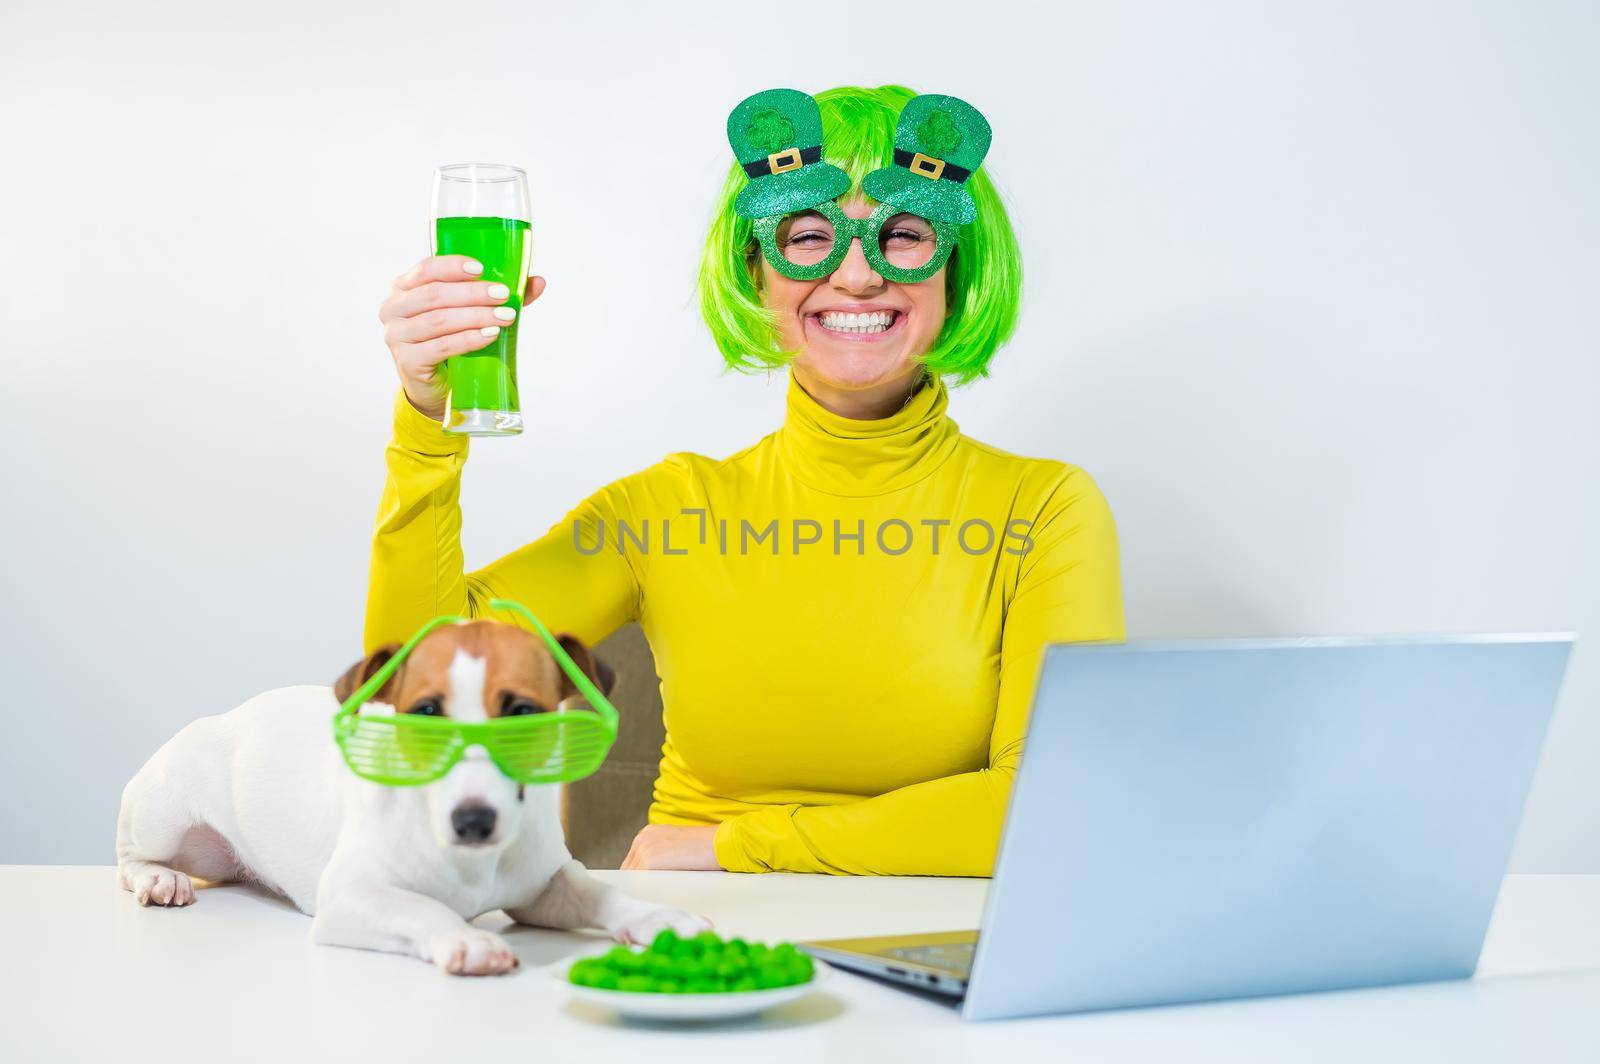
653,1006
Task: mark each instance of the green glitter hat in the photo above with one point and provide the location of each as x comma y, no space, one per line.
777,137
938,142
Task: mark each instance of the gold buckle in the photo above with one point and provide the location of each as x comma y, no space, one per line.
928,167
781,162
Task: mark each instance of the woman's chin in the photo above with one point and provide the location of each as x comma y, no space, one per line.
851,371
850,363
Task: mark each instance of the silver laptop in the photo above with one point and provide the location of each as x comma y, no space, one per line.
1222,818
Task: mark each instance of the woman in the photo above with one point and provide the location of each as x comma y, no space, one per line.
847,615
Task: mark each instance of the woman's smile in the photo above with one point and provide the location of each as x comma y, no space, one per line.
868,323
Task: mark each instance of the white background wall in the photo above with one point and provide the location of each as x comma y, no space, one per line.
1311,292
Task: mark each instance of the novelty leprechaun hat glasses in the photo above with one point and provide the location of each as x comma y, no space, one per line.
405,749
777,138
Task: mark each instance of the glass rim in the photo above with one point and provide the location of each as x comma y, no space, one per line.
480,173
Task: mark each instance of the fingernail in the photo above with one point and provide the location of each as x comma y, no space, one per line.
505,313
472,266
498,291
490,330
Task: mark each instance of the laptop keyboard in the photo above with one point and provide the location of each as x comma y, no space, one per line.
956,957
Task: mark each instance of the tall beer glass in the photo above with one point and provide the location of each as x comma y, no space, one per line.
481,210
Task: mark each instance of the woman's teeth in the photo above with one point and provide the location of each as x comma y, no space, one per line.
876,322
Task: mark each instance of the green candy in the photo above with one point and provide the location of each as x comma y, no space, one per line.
704,964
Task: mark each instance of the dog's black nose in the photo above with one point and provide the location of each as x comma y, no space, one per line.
473,823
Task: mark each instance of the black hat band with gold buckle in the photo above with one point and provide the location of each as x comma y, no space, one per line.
781,162
929,167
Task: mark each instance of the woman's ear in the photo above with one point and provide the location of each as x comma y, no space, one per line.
362,671
599,672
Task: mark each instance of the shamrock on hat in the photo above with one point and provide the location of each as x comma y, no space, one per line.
777,137
938,142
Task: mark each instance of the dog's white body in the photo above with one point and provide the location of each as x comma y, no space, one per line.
261,794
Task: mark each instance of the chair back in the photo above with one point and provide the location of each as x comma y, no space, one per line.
602,813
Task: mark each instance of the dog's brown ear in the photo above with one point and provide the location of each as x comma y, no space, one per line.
598,671
362,671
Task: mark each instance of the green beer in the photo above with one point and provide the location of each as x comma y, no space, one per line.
487,379
481,210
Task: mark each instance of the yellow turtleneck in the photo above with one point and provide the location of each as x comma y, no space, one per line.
846,617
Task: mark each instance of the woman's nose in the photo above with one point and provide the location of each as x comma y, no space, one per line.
855,273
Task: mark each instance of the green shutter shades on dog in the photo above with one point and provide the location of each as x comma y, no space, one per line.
406,750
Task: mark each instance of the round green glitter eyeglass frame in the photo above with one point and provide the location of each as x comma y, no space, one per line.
846,230
407,749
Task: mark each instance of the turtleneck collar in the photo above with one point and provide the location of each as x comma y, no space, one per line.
842,456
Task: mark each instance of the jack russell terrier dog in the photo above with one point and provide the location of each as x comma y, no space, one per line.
261,795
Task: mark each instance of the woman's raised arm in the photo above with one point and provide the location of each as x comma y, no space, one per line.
417,571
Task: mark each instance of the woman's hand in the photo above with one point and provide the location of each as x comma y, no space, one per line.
436,309
663,846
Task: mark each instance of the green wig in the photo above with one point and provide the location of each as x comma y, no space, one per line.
983,281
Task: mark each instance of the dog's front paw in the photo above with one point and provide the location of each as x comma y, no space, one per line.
153,884
642,930
473,952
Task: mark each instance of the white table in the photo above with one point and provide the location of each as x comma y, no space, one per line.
88,975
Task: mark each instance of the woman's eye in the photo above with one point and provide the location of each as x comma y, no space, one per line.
907,229
521,709
808,240
429,708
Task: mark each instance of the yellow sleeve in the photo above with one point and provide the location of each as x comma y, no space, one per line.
1069,589
417,571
